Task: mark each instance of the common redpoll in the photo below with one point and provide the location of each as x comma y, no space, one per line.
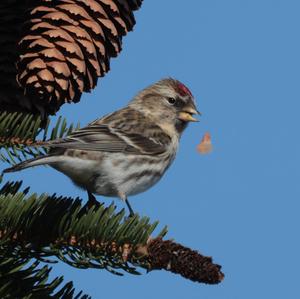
128,151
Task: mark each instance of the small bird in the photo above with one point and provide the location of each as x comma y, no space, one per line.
128,151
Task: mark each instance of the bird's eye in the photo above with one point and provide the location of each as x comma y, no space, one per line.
171,101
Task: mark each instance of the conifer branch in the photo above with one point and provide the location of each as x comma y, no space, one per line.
19,132
21,279
97,237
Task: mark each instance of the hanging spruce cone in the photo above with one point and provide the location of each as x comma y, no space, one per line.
61,49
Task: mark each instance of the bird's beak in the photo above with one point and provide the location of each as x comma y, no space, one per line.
187,112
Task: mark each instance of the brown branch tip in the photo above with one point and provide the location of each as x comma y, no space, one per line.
178,259
159,254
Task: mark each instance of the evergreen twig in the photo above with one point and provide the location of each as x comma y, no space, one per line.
18,133
21,279
98,237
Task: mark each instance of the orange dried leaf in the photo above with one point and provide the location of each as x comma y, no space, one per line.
205,146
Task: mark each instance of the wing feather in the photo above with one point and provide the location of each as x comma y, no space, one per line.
107,139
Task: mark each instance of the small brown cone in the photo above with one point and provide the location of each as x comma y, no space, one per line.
171,256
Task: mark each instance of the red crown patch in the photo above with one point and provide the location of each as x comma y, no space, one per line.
183,90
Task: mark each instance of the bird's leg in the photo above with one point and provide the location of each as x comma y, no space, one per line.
92,201
131,213
124,197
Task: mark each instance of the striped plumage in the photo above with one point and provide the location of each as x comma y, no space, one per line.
127,151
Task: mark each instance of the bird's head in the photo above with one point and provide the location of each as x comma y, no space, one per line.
168,102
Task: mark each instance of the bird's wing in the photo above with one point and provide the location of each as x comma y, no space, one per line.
103,137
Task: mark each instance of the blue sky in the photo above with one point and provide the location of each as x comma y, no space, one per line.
239,204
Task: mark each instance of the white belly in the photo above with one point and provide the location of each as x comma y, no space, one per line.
112,174
131,174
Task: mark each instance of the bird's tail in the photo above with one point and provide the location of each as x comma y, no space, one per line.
46,159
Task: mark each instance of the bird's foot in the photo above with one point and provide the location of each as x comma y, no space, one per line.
91,203
131,213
